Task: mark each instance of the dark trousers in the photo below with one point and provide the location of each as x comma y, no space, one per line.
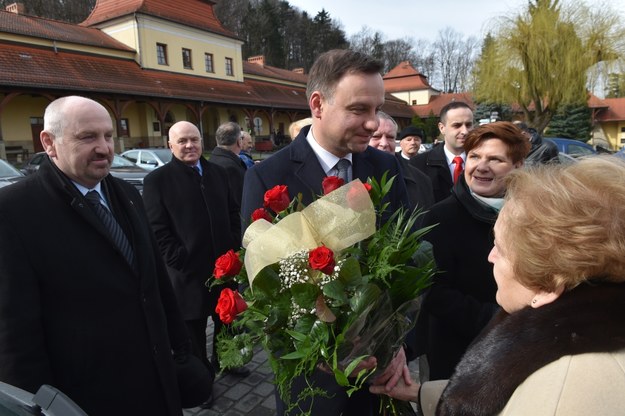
197,331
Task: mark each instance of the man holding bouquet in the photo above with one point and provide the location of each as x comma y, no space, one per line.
345,92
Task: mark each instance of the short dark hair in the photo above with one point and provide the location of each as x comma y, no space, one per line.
333,65
452,106
227,134
511,135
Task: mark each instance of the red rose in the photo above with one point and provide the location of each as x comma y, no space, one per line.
227,265
261,213
367,186
322,258
330,183
354,198
229,305
277,198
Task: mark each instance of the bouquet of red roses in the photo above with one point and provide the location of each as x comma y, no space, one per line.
325,286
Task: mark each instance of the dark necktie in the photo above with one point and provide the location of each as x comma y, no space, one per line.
112,226
197,170
458,169
343,169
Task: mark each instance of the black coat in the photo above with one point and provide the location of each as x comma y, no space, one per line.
297,167
73,313
195,220
234,166
418,185
461,300
434,164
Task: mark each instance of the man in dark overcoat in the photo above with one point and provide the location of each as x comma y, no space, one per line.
443,161
195,218
226,154
345,92
78,310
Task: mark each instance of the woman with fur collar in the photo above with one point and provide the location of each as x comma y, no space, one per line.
558,345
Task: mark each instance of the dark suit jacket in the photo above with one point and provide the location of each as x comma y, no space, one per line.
195,220
434,164
73,313
461,300
297,167
235,167
418,185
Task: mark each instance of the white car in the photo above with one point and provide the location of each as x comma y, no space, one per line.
149,159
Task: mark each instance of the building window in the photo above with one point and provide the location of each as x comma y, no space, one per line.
161,53
186,58
208,61
124,128
229,70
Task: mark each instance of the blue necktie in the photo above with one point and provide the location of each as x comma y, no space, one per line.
343,169
112,226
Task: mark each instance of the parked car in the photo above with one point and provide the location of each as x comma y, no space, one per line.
572,147
47,402
120,168
9,174
128,171
620,153
149,159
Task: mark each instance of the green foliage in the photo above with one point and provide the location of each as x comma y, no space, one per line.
573,122
616,86
539,58
307,320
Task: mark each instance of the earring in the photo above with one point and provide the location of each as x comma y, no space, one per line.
534,301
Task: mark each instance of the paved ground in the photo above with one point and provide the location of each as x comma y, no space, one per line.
249,396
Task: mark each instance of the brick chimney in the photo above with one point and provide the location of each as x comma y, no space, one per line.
258,60
298,70
17,8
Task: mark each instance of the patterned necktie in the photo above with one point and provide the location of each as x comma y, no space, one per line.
112,226
458,169
342,166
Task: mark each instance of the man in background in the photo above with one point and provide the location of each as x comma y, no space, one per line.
418,185
410,140
85,301
444,164
195,217
246,149
226,155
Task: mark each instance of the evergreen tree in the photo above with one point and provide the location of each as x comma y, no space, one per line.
571,122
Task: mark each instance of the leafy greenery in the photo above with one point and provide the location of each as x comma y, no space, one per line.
307,320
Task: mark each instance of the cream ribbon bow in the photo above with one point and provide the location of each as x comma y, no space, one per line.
337,220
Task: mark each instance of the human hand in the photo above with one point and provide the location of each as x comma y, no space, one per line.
395,371
401,391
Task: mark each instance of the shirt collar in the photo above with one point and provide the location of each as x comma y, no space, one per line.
326,159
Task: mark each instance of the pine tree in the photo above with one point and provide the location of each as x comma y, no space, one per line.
571,122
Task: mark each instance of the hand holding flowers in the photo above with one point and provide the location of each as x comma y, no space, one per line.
326,289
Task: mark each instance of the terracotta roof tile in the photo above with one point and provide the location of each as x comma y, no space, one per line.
39,27
195,13
404,77
614,112
439,101
273,72
596,102
37,68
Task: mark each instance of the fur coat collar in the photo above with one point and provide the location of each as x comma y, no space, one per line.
513,346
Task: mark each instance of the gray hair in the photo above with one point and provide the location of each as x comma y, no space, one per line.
228,133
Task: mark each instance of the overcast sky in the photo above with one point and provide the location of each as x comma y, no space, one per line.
423,19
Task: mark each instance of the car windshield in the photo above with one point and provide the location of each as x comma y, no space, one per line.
163,154
120,162
8,171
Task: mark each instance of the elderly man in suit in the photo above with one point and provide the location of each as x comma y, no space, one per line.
226,154
445,163
195,216
85,301
418,185
345,92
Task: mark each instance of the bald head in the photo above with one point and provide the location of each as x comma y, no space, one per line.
185,142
